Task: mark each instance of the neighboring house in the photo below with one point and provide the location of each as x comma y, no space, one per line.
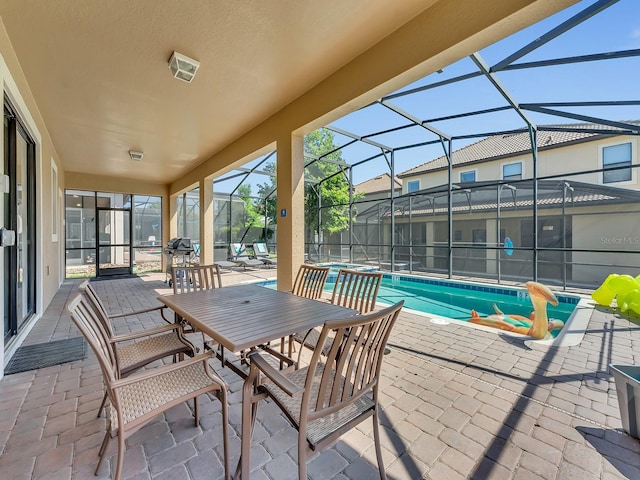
379,187
588,198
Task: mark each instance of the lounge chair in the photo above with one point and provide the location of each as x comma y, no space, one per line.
261,253
240,256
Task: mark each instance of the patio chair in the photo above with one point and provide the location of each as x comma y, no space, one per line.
136,350
353,289
191,279
310,281
330,396
240,256
197,277
138,399
261,252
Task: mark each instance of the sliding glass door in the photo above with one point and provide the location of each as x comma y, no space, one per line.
19,264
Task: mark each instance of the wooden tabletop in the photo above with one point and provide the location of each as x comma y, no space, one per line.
243,316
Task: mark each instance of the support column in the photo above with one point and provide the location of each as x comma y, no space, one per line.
290,178
206,221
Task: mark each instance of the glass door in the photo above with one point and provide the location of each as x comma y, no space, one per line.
114,241
19,215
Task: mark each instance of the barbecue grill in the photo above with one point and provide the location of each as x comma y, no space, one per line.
178,252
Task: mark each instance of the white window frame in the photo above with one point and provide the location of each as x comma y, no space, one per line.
512,163
55,208
633,162
473,170
412,182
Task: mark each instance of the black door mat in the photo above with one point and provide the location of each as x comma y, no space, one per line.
40,355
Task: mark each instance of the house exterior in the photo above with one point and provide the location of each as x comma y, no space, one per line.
586,200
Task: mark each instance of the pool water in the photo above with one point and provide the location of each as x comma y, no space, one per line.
455,300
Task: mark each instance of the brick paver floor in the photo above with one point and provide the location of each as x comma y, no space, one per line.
458,402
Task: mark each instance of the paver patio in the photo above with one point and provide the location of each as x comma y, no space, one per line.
458,402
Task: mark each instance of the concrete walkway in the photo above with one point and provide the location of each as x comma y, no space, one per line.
458,402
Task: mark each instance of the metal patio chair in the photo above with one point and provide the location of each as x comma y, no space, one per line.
133,351
137,399
197,277
333,394
353,289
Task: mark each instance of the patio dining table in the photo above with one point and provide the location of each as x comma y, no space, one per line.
242,317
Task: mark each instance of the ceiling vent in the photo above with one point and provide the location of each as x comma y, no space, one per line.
183,67
136,156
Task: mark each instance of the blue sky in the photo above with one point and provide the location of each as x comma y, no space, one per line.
617,28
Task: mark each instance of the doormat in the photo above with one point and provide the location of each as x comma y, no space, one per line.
113,277
40,355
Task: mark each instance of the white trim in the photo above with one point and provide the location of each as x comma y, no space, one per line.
634,161
55,208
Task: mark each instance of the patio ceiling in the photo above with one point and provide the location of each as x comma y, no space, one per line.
99,71
99,75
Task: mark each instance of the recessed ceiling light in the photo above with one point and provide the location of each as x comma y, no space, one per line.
183,67
136,156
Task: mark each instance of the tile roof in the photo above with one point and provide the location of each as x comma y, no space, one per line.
377,184
434,201
511,144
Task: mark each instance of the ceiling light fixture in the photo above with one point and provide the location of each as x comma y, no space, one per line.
136,156
183,67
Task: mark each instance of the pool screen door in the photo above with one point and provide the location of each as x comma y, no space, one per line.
114,242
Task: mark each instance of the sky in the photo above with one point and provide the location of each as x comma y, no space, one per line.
617,28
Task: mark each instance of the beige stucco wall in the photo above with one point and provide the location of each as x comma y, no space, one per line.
564,160
49,261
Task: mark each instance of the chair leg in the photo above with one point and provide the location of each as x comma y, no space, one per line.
103,447
195,411
302,457
225,432
376,439
120,456
104,401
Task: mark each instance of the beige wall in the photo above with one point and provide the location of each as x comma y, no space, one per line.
49,266
557,161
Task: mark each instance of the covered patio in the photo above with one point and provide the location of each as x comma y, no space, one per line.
458,402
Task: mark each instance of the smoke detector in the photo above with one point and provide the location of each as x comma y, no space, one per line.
136,156
183,67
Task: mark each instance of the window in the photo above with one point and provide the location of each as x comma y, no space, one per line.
512,171
468,176
413,186
614,157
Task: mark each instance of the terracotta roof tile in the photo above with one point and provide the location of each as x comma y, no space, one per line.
504,145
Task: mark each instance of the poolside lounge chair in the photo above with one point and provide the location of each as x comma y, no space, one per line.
261,253
240,256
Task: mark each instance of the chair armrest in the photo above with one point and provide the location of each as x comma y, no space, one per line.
145,333
290,388
138,312
154,372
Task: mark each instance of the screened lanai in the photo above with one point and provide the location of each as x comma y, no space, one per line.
517,162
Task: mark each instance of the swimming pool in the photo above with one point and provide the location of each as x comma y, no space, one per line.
443,299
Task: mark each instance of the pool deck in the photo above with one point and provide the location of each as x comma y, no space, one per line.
457,403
